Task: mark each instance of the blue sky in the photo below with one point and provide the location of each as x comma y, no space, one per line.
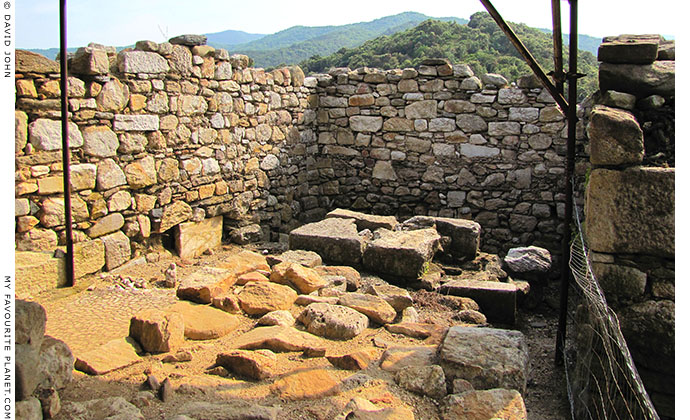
127,21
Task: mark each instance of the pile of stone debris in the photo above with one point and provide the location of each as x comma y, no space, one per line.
300,305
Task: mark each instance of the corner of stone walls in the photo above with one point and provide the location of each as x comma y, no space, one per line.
630,200
160,135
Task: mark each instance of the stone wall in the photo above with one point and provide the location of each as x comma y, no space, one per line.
630,205
440,141
167,136
160,135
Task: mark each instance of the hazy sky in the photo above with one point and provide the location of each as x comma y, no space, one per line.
124,22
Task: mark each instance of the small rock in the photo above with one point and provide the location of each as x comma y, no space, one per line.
281,317
165,393
152,383
171,276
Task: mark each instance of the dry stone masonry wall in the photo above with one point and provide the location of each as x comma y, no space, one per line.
630,203
179,138
439,141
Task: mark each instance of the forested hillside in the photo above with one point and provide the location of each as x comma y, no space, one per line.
480,43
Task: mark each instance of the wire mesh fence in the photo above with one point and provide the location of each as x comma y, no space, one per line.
603,383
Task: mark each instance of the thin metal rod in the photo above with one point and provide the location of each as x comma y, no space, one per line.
69,260
558,76
531,62
569,170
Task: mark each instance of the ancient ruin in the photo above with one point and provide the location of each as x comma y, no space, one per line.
357,244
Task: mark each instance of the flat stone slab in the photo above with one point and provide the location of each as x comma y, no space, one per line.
335,240
506,404
111,356
375,307
463,235
259,298
111,408
248,364
333,321
396,358
245,262
405,254
230,410
206,283
279,338
356,360
203,322
365,221
193,238
498,301
307,384
486,357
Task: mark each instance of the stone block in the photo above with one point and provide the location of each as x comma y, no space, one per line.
403,254
258,298
157,331
117,250
100,141
29,409
123,122
31,62
498,301
487,357
279,339
90,61
141,62
206,283
363,220
203,322
335,240
89,257
248,364
141,173
56,363
615,137
45,134
631,211
629,49
506,404
193,238
375,307
174,214
619,281
36,272
641,80
105,225
309,384
333,321
366,123
30,323
112,355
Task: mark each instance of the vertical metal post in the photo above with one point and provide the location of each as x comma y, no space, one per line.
69,261
569,170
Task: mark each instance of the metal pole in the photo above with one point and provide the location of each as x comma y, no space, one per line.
569,170
558,75
69,260
531,62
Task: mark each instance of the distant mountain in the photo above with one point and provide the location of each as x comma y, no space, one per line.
584,42
298,43
480,43
231,37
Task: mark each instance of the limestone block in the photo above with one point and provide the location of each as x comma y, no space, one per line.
403,253
45,134
36,272
21,130
304,279
105,225
141,62
83,176
123,122
615,137
203,322
497,300
31,62
89,257
90,61
112,355
486,357
141,173
355,360
641,80
205,284
333,321
117,250
109,175
506,404
421,109
375,307
629,49
174,214
363,220
366,123
261,298
100,141
631,211
528,263
395,296
113,97
194,238
395,124
56,363
335,239
157,331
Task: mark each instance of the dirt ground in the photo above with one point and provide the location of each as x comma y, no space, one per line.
98,310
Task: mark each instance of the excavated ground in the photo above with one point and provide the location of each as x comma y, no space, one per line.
99,309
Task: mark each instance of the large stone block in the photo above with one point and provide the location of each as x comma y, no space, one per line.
497,300
141,62
505,404
56,363
117,250
36,272
112,355
363,220
31,62
157,331
335,239
136,122
615,137
641,80
203,322
90,61
486,357
366,123
629,49
100,141
631,211
194,238
333,321
403,253
45,134
463,234
206,283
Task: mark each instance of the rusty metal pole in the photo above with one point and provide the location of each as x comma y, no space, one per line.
558,75
569,170
69,259
524,52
